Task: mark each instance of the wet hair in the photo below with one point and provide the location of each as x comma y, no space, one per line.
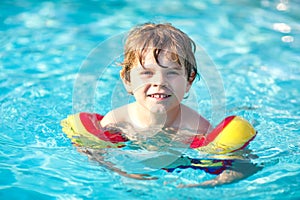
158,38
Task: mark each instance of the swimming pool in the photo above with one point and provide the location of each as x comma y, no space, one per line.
255,46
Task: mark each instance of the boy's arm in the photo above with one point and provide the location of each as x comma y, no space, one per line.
239,170
115,116
107,119
100,159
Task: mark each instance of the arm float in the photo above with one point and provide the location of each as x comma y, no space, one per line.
232,134
84,130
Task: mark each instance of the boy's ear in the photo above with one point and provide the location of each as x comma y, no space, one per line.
190,81
188,87
126,84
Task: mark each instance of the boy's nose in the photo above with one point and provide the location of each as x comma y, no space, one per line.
159,80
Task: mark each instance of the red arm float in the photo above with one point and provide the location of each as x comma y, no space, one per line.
232,134
84,130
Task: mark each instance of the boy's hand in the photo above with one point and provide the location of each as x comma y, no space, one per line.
227,176
239,170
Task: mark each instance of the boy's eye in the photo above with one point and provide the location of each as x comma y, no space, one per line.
146,73
173,73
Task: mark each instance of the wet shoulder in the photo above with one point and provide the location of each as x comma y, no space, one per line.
115,116
195,121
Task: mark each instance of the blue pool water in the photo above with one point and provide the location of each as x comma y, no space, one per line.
46,45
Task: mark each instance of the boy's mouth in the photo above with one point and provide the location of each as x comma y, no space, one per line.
159,96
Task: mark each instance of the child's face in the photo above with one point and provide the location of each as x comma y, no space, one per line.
158,89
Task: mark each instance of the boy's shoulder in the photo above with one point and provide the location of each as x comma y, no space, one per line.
194,120
114,116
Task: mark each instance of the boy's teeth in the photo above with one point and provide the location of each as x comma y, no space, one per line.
159,96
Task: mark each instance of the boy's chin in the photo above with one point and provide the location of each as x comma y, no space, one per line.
158,109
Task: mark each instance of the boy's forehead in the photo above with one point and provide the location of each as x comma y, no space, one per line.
162,60
157,66
162,57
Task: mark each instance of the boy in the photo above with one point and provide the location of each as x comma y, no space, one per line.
158,70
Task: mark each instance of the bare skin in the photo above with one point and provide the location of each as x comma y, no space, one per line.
158,92
201,126
96,156
240,170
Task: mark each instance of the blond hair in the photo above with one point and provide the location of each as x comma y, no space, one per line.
158,37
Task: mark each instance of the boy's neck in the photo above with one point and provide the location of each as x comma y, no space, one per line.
143,118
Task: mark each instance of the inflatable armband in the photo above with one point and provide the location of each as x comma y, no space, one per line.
84,130
232,134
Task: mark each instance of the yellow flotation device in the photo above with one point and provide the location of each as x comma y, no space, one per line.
232,134
84,130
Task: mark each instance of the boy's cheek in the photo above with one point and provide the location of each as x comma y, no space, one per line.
137,86
139,82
